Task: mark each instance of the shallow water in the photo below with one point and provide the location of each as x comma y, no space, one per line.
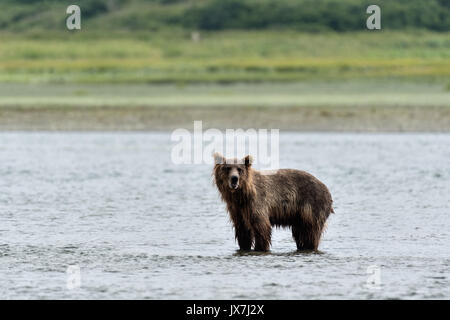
140,227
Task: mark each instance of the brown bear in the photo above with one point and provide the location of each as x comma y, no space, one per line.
259,200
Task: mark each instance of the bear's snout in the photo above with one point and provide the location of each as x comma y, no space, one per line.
234,180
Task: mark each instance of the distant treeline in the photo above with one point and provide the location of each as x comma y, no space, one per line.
307,15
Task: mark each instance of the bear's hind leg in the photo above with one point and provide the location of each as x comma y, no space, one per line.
296,236
305,238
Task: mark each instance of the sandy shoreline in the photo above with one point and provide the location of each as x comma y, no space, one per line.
135,118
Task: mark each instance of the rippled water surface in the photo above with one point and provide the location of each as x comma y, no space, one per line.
140,227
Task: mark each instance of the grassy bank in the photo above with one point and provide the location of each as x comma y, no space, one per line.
314,106
363,94
223,57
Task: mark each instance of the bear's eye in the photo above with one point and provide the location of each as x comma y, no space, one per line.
240,170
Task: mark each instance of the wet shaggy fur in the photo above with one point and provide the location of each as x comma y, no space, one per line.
258,201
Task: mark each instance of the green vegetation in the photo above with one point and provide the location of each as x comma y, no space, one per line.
224,57
223,41
305,15
366,94
160,64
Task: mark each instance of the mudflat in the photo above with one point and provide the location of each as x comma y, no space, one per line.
314,106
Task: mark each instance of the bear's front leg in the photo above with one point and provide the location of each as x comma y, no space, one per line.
244,236
263,234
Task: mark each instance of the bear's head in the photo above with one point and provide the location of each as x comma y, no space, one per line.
231,173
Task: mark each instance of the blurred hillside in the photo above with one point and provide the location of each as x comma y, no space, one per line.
305,15
223,41
160,64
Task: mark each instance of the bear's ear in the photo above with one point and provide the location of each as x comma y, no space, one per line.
248,160
218,158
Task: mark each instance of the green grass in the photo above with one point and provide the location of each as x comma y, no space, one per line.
223,57
369,93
